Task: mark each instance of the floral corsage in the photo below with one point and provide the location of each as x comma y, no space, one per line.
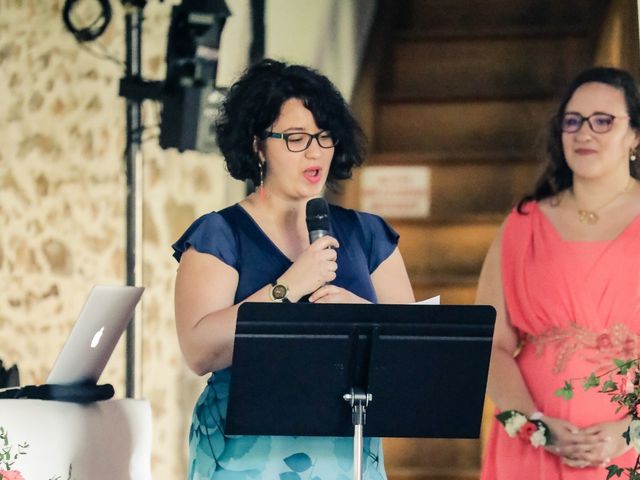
516,424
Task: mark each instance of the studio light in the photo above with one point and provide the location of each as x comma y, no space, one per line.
190,98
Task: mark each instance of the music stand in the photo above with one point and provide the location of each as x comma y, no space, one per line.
414,370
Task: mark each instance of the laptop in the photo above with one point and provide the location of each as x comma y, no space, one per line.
75,373
102,320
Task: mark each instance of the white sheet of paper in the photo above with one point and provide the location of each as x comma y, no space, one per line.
429,301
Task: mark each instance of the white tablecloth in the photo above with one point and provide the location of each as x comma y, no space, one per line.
108,440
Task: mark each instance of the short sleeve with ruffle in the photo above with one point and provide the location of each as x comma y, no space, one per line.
380,239
209,234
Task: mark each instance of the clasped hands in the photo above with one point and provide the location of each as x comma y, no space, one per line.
593,446
312,273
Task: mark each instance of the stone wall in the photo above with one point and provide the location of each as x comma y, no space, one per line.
62,199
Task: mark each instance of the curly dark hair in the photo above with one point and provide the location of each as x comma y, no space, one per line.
557,175
253,104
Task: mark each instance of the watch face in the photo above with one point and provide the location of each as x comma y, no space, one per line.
279,292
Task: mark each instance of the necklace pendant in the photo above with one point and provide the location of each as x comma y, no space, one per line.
588,217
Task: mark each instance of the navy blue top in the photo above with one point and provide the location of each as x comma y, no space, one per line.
233,236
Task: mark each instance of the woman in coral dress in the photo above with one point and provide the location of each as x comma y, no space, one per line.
564,276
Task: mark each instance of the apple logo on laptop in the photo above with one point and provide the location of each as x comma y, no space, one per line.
96,338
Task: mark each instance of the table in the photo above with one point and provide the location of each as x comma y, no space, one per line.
108,440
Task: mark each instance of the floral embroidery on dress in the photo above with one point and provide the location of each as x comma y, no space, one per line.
599,348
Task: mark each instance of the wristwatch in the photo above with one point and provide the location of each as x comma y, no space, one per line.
279,292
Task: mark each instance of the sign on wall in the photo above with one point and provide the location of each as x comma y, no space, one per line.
396,191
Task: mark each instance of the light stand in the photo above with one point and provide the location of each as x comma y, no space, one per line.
198,24
188,92
133,39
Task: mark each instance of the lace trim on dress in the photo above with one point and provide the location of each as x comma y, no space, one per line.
599,348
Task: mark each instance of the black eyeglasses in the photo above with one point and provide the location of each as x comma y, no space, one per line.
300,141
598,122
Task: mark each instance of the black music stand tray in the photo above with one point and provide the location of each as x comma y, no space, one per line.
316,370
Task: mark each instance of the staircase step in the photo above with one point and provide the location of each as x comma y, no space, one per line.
495,186
453,290
471,68
460,14
418,474
457,157
455,248
512,126
485,32
431,458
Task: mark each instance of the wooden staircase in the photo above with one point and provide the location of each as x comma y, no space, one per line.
465,88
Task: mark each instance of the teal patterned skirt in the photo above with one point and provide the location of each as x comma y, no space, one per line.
214,455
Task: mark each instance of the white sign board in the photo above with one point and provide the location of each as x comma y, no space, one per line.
396,191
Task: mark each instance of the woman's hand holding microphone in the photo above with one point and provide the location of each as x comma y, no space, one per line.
314,268
312,273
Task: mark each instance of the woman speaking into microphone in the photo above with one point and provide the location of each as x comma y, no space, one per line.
288,130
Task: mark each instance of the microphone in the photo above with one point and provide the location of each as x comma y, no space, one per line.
318,223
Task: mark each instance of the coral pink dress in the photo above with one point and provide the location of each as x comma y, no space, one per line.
576,305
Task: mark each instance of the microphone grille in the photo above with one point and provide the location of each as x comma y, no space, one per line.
317,215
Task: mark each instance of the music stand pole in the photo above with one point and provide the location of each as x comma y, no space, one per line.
359,401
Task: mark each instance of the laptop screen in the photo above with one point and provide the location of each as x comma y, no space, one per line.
95,334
